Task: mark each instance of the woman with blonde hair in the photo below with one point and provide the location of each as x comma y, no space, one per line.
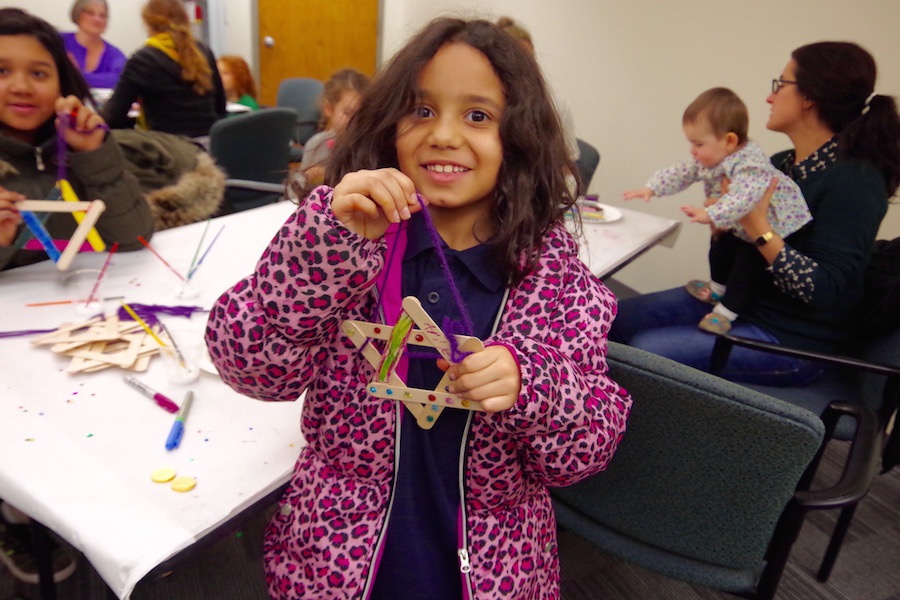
173,77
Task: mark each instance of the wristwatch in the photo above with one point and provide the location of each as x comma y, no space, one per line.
764,238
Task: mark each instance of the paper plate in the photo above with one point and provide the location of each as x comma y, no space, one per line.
607,214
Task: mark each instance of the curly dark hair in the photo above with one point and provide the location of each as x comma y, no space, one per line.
531,193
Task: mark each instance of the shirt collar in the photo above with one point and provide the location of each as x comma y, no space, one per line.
478,260
819,160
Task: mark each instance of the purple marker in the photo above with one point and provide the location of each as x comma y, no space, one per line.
161,400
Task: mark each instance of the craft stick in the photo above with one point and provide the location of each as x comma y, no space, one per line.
141,322
95,209
435,398
105,266
52,206
205,252
197,251
41,234
71,301
156,254
383,332
373,356
68,194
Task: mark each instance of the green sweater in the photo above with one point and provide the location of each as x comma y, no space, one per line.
98,174
847,199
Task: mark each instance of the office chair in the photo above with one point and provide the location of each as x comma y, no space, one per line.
710,483
303,94
588,159
254,151
869,377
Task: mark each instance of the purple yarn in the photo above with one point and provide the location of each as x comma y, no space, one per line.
148,312
65,122
451,327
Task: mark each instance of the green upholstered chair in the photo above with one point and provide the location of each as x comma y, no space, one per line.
868,375
253,149
709,483
303,94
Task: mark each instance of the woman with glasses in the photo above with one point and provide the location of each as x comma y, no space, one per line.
846,160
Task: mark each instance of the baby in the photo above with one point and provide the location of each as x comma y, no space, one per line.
715,124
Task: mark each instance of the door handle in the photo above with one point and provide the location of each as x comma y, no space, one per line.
269,41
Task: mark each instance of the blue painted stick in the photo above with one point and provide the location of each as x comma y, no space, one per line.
41,234
205,252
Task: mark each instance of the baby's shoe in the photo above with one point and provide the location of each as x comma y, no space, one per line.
701,291
714,323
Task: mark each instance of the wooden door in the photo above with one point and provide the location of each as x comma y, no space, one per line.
314,38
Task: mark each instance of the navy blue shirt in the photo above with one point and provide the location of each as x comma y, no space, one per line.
419,558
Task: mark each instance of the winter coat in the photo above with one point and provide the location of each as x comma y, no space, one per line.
97,174
277,333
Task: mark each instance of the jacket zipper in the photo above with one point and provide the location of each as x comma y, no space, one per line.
465,566
39,159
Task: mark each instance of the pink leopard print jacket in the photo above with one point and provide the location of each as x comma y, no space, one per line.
277,333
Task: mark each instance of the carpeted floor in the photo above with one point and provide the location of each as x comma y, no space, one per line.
866,570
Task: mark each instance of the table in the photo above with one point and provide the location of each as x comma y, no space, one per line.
608,247
77,450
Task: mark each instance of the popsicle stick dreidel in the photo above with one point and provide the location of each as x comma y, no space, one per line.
425,405
87,214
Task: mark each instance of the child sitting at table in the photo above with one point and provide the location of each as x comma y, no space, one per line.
340,99
715,124
39,76
383,501
237,81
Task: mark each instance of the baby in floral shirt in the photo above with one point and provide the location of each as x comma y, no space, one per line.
716,124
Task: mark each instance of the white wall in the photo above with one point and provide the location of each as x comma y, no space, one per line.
628,69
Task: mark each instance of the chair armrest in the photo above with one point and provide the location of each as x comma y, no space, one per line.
259,186
725,342
861,463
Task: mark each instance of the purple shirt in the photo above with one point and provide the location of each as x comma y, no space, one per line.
112,61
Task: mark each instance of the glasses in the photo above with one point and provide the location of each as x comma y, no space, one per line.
777,84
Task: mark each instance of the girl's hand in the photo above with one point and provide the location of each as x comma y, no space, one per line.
645,193
367,202
490,377
9,216
86,130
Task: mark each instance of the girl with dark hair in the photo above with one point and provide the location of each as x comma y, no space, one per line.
174,77
846,160
379,506
41,91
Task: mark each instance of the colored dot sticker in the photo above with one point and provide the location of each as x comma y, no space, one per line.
183,484
162,475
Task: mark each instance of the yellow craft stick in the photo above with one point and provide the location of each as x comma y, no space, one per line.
140,322
84,227
69,195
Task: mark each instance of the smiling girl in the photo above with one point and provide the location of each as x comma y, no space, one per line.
379,507
40,94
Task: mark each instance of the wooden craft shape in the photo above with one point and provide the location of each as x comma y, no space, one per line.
85,213
425,405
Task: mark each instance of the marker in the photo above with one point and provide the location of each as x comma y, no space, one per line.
161,400
178,426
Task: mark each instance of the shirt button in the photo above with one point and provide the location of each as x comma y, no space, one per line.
285,510
434,297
